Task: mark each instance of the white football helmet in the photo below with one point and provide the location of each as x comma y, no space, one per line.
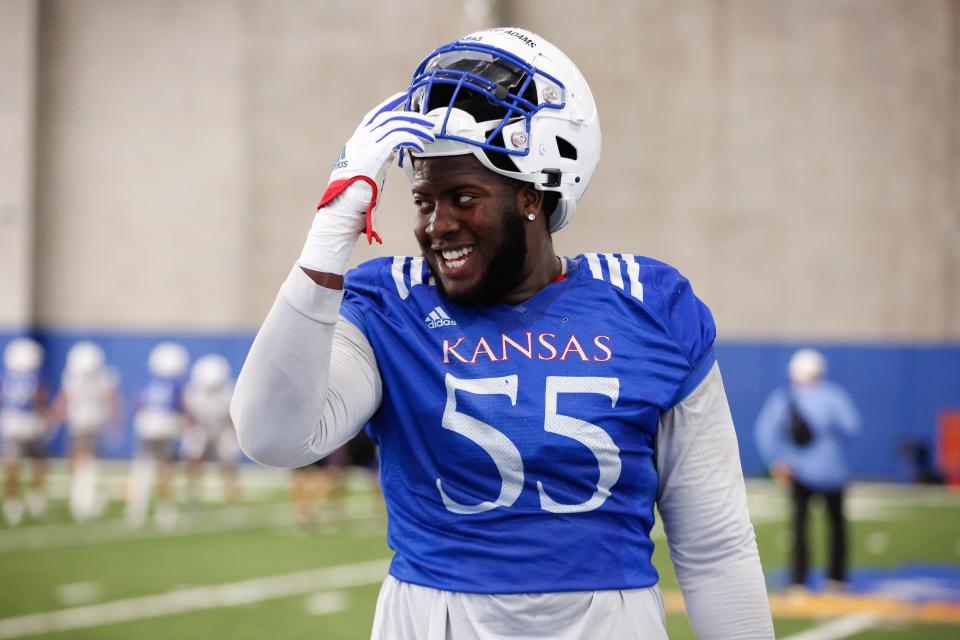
210,372
518,104
22,355
168,360
85,357
806,366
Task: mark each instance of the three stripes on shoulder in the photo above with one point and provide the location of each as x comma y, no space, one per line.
622,270
408,273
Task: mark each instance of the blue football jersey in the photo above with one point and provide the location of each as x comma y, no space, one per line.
517,441
162,395
19,390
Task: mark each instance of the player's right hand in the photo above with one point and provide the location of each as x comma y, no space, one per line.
367,155
356,181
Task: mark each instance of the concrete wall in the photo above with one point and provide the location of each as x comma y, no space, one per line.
17,68
799,160
953,257
142,219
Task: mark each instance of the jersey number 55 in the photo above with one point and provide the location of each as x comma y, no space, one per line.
505,454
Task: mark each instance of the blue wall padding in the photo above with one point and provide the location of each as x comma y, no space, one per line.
900,389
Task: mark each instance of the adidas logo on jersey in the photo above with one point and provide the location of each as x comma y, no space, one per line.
439,318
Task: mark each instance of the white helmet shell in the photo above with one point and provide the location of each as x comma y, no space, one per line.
168,360
210,372
22,354
518,104
85,357
806,366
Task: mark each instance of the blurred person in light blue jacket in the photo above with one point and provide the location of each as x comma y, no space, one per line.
802,434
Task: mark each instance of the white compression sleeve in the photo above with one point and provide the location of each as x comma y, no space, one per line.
335,230
703,504
309,383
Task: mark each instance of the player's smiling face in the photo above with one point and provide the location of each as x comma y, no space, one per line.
472,230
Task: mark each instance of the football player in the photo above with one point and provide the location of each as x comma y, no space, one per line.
209,433
158,422
23,427
88,401
531,409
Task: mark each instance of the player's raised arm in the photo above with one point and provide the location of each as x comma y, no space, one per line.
308,385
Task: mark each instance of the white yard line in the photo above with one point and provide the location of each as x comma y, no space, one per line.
861,504
325,602
113,474
267,516
877,542
181,601
76,593
117,530
839,628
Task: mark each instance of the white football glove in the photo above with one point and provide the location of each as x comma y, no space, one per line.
356,182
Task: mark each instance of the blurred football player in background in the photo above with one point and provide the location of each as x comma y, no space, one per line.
89,402
802,433
209,433
158,422
517,396
23,425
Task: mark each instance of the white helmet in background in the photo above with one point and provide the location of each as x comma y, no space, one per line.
22,354
168,360
806,366
210,372
519,105
85,357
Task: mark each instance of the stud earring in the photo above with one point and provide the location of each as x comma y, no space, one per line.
531,217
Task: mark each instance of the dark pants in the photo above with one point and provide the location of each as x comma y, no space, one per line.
838,536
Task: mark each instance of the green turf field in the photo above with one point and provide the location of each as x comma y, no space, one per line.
255,574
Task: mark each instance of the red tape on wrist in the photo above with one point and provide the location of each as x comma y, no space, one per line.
336,187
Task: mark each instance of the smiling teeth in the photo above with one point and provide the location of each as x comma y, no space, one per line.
456,258
454,254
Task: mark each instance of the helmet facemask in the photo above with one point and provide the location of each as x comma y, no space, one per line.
495,90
